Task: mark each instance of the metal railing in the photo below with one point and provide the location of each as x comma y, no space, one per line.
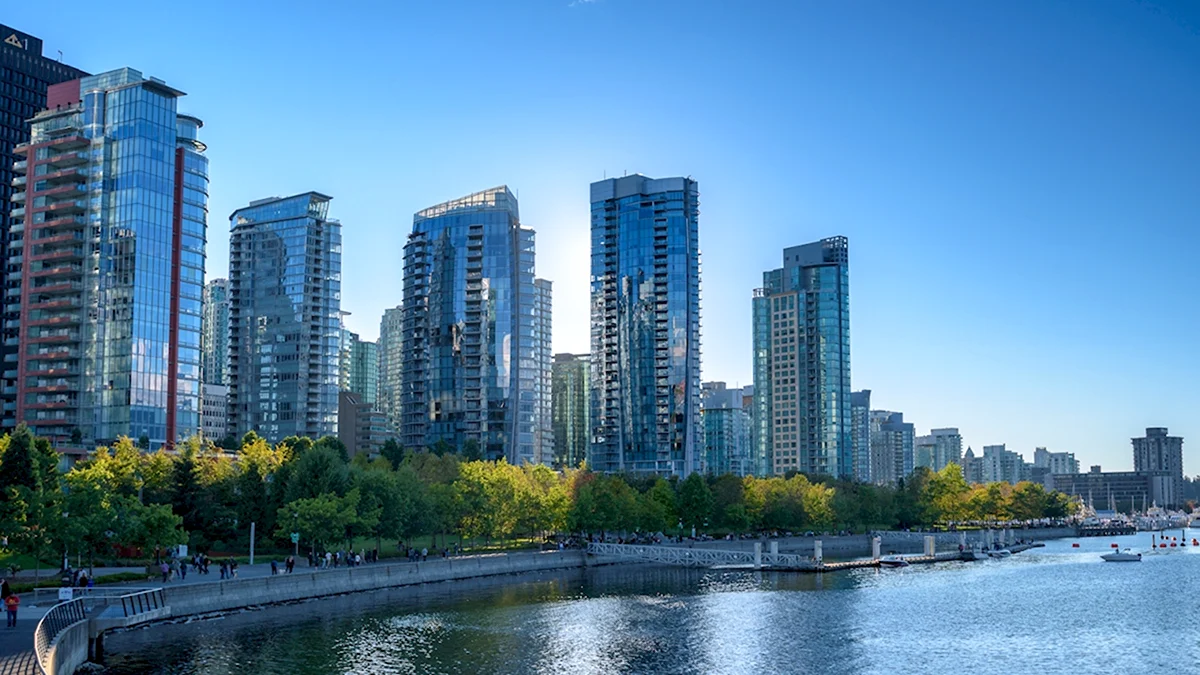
700,557
142,601
60,617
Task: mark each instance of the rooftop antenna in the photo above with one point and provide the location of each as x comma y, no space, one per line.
60,56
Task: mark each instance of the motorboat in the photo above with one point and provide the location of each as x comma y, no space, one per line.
1122,556
893,562
1002,553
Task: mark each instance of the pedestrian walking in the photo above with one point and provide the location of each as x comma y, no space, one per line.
183,570
274,567
11,603
424,554
166,571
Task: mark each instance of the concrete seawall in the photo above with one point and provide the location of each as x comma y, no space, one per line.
238,593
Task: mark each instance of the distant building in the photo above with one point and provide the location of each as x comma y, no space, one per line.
285,266
892,451
1156,451
469,371
801,335
214,333
1055,462
645,301
940,448
1000,465
362,368
1124,491
860,434
106,272
726,431
214,412
391,355
361,428
972,468
540,392
570,401
25,76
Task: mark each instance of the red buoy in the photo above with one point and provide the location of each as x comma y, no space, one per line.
1115,546
1172,544
1075,545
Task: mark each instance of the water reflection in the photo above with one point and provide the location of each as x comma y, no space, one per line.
1056,609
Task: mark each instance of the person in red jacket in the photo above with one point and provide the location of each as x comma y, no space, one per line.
11,603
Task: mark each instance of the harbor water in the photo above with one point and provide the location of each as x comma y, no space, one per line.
1050,610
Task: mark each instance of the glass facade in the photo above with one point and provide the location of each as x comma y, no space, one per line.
727,431
470,368
24,77
391,346
285,265
645,305
860,434
364,370
543,426
802,361
114,225
570,403
214,336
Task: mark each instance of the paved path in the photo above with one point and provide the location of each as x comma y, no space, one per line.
16,645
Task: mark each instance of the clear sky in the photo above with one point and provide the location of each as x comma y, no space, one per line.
1020,181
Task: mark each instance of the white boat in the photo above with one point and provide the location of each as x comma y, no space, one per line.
1122,556
893,562
1002,553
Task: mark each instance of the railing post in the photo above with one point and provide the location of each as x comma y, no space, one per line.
758,555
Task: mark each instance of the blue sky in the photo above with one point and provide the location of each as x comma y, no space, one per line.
1019,180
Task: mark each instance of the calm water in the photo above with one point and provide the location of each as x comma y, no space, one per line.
1050,610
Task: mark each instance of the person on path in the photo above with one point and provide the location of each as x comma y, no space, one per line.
166,571
183,570
5,591
174,568
424,554
10,604
233,565
274,567
224,570
289,563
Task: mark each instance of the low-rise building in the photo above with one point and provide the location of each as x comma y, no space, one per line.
1124,491
214,411
361,428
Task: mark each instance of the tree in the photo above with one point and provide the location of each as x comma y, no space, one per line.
471,451
393,452
152,526
320,520
76,436
317,471
442,447
144,442
333,443
729,503
695,501
944,499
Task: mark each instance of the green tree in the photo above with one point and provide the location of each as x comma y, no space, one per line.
944,499
729,503
695,501
317,471
471,451
333,443
320,520
442,447
393,452
143,442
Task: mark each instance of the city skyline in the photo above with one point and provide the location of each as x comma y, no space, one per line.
996,321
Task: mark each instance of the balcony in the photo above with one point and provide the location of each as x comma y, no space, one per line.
19,181
64,222
73,206
21,166
70,175
67,159
18,212
18,196
58,271
58,287
72,253
72,142
64,191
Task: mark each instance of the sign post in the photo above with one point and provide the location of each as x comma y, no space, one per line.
296,544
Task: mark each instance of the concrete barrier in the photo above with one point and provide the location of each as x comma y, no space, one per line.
190,599
68,651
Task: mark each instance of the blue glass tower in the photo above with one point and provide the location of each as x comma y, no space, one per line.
470,354
109,251
645,364
285,285
802,361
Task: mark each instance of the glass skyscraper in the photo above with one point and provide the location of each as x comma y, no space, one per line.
109,253
727,431
571,399
860,434
285,284
470,370
391,346
542,345
801,319
214,336
24,76
645,360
